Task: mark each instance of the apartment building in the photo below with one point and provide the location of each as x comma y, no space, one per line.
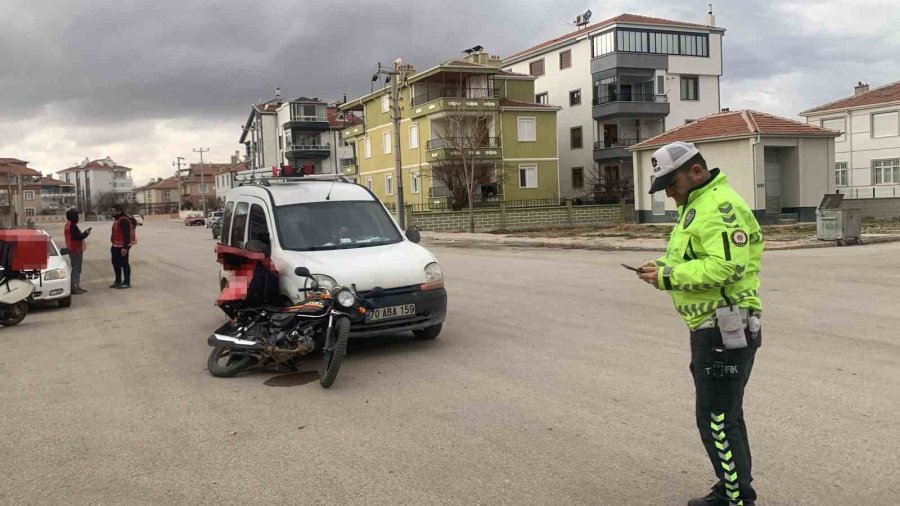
14,176
867,152
48,196
619,82
302,133
158,197
465,105
227,177
93,178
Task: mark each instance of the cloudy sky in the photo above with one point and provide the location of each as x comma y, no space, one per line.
146,81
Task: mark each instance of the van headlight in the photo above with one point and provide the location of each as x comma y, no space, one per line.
434,277
346,298
325,282
55,274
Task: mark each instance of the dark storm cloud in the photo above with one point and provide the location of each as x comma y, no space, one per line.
106,61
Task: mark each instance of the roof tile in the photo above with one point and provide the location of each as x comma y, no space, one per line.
881,95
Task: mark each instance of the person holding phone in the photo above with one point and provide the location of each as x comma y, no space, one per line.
123,238
75,243
710,270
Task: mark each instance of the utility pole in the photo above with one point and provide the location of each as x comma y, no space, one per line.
400,71
202,189
177,163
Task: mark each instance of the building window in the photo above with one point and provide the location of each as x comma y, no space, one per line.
29,211
578,177
565,59
542,98
414,136
368,144
528,176
527,131
536,68
416,182
389,184
602,44
67,178
385,103
167,195
387,143
575,137
204,188
29,194
886,171
575,97
836,124
690,88
660,84
885,124
369,183
840,174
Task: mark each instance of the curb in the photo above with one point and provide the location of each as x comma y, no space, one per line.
462,243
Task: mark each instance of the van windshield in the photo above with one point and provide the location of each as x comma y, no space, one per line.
334,225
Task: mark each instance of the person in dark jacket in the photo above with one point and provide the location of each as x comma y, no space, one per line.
75,244
122,239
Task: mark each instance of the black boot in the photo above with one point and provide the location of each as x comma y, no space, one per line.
713,499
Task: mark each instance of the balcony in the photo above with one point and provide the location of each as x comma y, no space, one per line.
353,131
307,151
450,148
315,123
615,148
435,100
349,166
630,105
122,185
57,195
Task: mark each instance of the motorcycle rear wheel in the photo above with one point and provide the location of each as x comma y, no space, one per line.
234,365
335,349
17,312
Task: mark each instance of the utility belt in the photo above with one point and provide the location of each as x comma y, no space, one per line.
733,324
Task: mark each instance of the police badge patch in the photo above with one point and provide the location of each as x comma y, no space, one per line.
739,238
689,218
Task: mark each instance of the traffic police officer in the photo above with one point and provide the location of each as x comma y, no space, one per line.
710,270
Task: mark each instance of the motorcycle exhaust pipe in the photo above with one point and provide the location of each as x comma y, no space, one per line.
217,340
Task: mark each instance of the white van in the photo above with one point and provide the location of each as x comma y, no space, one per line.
345,236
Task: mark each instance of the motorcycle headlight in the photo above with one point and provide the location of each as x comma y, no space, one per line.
325,282
55,274
434,277
346,298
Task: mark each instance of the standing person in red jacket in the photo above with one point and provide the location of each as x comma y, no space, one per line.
75,244
123,238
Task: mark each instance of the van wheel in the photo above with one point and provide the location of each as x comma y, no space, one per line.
428,332
65,302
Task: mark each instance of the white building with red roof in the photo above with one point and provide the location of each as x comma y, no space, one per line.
92,178
621,81
867,153
781,167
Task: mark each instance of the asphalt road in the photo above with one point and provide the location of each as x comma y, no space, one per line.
559,379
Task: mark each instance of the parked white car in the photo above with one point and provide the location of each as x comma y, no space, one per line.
345,236
55,283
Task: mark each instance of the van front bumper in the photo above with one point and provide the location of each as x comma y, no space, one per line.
431,309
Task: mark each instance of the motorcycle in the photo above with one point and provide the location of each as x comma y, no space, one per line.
15,291
265,335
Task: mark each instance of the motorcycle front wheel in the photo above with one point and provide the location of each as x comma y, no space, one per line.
15,314
335,349
222,364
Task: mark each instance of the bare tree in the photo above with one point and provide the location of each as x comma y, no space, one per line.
611,185
464,138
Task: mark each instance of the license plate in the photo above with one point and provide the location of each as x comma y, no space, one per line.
388,313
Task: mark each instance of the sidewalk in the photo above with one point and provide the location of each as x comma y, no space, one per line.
611,243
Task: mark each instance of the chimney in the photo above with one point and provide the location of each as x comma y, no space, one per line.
860,88
236,158
710,18
277,95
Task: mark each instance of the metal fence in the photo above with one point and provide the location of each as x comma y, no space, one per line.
453,92
630,97
869,192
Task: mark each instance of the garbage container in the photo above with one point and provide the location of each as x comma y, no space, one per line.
834,222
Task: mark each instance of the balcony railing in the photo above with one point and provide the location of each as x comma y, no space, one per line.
57,195
630,97
462,142
122,185
309,119
308,147
453,92
620,142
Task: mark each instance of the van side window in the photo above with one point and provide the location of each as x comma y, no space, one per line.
239,227
226,223
259,228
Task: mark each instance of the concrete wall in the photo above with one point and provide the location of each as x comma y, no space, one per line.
512,218
881,208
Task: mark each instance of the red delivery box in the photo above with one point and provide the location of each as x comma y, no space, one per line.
29,249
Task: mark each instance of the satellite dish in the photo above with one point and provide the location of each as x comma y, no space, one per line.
587,16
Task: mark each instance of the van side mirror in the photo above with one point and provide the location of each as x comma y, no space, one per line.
413,235
303,272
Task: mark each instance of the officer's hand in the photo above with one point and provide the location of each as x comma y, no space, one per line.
650,275
649,263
